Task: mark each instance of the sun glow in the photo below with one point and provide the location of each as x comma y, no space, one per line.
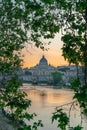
32,55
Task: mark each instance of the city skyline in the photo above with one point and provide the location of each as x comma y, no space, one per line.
32,54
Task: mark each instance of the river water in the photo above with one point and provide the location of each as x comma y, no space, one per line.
44,101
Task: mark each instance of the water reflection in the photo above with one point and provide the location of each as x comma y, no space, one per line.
49,97
45,100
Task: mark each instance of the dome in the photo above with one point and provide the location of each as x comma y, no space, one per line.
43,60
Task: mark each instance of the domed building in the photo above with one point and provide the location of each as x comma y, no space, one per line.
42,71
43,61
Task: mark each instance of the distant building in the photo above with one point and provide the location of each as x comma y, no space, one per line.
70,73
42,71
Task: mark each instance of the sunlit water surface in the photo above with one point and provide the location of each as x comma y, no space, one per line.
44,101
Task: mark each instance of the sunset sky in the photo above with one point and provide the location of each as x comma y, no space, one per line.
32,55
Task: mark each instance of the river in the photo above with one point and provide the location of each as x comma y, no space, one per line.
44,101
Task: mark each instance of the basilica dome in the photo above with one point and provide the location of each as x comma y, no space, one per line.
43,60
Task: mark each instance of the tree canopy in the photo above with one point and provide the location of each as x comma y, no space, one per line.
26,21
57,78
30,20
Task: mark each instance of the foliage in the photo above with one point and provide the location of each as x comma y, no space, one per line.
57,77
47,18
14,28
25,21
62,119
73,21
76,128
29,21
14,104
33,127
80,94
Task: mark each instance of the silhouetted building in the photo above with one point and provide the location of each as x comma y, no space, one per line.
42,71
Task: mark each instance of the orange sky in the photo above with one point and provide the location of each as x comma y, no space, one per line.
32,55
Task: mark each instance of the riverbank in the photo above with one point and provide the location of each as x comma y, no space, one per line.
5,123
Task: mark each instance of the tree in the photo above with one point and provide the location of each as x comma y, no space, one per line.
29,21
14,29
72,20
57,78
